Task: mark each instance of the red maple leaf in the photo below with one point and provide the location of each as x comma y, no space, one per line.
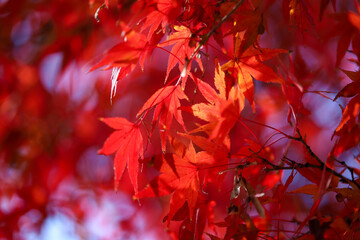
165,11
127,142
167,103
249,21
249,64
298,14
180,177
348,128
347,29
124,54
323,6
183,48
213,160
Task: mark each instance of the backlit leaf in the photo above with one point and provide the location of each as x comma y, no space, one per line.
127,142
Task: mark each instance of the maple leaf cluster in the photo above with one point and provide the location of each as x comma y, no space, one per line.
197,113
243,120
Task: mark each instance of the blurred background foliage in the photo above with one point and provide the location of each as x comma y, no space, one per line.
53,184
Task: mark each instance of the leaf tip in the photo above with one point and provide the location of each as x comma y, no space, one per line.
116,184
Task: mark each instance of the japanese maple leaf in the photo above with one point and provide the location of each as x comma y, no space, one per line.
179,175
255,152
166,11
238,225
298,14
347,30
124,54
348,128
248,65
183,48
291,87
251,23
212,160
323,5
167,103
127,142
351,89
194,229
354,18
221,112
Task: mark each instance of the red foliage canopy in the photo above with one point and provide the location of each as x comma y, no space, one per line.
255,135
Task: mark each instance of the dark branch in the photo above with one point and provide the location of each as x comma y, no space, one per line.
295,165
301,139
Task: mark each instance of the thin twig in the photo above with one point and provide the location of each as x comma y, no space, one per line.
350,169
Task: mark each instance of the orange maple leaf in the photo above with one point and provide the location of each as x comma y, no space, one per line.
248,65
221,112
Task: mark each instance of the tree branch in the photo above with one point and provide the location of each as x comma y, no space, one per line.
301,139
295,165
350,169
